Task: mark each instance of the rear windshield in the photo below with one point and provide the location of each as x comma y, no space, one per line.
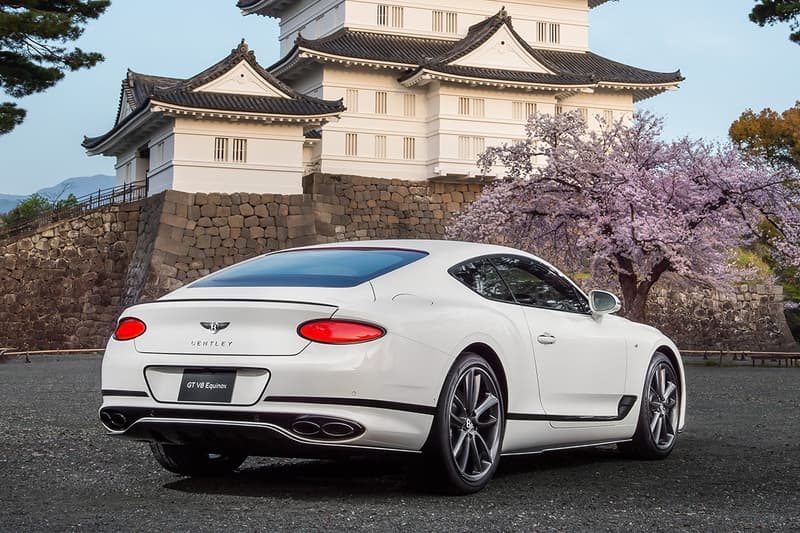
328,267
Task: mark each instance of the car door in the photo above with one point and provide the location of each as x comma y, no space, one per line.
581,361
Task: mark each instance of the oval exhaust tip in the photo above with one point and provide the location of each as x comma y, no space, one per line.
338,429
306,428
118,420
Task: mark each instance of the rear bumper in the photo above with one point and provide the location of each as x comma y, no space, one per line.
290,429
266,434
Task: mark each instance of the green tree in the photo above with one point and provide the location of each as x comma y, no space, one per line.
775,11
774,137
770,135
27,209
33,55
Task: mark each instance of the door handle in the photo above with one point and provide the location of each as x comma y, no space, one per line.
546,338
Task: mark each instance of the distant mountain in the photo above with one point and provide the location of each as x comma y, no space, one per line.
9,202
79,186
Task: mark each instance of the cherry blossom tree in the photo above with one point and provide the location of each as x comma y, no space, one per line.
623,204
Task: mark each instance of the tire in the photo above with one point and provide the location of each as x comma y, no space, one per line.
463,448
657,427
188,461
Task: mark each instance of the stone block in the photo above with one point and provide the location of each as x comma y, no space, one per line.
236,221
179,198
173,220
209,210
260,211
171,246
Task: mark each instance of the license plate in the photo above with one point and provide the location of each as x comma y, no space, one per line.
204,385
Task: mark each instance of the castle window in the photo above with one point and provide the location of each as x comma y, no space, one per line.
555,33
350,144
128,172
397,17
518,110
409,147
239,151
223,152
380,102
351,98
474,107
383,15
463,106
559,109
522,110
548,32
380,146
541,32
478,107
470,147
608,116
410,105
437,21
584,113
158,153
452,22
220,149
444,21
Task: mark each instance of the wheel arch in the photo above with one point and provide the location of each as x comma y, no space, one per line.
486,351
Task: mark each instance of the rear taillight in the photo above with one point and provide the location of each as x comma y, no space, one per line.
129,328
339,331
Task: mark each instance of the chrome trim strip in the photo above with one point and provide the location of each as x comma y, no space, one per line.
256,425
564,447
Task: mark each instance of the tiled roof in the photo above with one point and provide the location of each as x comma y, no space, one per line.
248,103
139,90
569,68
377,46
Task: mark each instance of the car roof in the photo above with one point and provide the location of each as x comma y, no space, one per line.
446,252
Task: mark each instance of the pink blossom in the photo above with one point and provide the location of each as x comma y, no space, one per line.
624,204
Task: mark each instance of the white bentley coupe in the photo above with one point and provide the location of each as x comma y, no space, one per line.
454,353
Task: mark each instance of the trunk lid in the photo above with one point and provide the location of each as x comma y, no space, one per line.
225,327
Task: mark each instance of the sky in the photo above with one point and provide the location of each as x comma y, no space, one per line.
730,64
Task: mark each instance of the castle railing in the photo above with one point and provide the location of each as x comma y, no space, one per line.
122,194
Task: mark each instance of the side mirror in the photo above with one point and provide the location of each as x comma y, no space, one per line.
603,303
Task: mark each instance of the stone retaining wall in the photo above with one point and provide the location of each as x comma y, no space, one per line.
749,317
62,286
65,286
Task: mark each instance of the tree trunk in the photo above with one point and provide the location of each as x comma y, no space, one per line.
634,295
635,292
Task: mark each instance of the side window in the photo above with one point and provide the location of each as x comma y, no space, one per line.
481,277
535,285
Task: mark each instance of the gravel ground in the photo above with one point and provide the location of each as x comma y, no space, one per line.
737,467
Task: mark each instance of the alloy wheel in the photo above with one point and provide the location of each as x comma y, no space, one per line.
663,401
475,423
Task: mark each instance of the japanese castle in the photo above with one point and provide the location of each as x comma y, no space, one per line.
399,89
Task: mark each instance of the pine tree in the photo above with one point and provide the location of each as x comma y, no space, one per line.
33,55
774,11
